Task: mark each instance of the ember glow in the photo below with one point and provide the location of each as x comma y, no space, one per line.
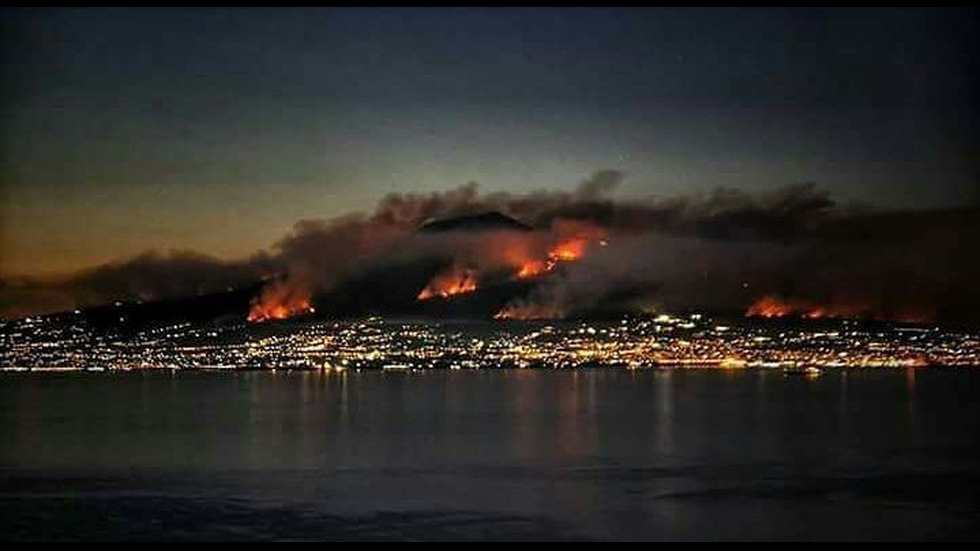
280,300
529,311
457,280
771,307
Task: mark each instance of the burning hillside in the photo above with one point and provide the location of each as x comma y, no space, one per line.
457,280
280,300
776,307
571,250
772,306
494,257
790,252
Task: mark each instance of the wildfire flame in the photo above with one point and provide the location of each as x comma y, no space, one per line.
496,257
772,306
280,300
455,281
569,250
533,268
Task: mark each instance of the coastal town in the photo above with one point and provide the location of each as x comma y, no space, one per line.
67,342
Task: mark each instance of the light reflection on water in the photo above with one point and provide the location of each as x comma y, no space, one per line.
522,454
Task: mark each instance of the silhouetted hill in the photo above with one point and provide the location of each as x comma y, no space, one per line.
488,221
233,305
386,290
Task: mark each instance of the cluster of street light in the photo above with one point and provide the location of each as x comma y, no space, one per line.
68,342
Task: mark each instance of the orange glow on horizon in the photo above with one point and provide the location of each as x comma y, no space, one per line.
769,307
772,306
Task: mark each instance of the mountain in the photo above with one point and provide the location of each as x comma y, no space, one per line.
387,290
487,221
226,305
393,289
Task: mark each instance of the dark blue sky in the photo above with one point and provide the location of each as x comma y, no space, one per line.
217,129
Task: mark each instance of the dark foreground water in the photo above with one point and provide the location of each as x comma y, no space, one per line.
600,454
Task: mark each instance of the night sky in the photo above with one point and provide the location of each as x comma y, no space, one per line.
216,130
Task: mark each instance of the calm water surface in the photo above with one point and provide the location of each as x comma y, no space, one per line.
588,454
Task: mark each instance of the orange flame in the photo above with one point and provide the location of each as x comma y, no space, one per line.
533,268
455,281
818,312
497,256
280,300
770,307
568,250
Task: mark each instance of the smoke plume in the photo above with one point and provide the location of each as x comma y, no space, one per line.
721,251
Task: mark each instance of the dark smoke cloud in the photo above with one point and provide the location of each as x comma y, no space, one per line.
657,272
153,275
723,251
718,251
